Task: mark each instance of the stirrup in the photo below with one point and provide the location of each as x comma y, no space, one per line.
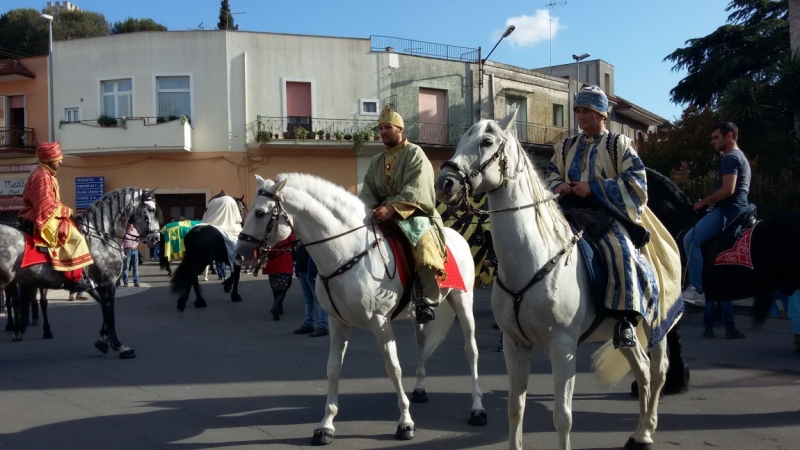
624,334
425,314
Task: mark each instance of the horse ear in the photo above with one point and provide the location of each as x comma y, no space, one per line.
148,193
281,184
259,180
507,121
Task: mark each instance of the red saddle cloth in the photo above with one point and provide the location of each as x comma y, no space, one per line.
31,256
739,255
454,279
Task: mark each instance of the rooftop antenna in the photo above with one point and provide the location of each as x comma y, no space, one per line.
199,27
552,5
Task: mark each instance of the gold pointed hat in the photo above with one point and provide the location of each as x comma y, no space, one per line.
391,117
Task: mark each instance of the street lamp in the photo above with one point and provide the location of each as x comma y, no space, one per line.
51,133
482,62
578,59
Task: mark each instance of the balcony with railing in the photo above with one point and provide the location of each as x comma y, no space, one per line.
128,134
18,140
285,130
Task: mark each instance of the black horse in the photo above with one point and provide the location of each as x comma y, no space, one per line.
774,250
202,247
204,244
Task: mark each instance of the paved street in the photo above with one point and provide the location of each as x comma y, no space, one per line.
227,376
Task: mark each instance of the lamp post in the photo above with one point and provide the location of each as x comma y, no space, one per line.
578,59
482,62
50,99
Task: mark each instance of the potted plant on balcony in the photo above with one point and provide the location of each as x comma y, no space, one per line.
376,133
263,136
358,141
348,137
105,121
300,133
321,133
327,136
338,135
287,135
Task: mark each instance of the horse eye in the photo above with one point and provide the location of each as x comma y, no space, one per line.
260,214
486,142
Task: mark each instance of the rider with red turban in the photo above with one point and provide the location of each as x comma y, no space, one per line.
49,219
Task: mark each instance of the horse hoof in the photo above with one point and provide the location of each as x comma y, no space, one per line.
236,298
226,287
478,418
48,335
419,396
322,437
34,322
16,337
275,316
127,354
404,432
102,346
181,306
633,445
200,304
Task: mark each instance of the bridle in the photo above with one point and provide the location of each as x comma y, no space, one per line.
89,230
278,211
468,189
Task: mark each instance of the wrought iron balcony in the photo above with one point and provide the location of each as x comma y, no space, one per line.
18,138
271,128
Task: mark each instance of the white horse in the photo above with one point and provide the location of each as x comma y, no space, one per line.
358,285
549,300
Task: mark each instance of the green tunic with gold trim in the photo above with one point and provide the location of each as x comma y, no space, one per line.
402,177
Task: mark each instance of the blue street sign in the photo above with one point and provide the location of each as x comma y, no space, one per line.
87,190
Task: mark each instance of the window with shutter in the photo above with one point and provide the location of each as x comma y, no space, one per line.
298,105
433,116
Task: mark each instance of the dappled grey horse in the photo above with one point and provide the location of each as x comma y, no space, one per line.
105,225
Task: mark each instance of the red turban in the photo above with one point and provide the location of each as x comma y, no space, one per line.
49,151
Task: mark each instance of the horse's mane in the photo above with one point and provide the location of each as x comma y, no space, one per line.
334,198
113,209
550,221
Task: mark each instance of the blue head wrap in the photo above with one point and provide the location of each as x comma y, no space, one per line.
592,97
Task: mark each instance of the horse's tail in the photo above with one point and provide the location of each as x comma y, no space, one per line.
436,330
183,277
609,365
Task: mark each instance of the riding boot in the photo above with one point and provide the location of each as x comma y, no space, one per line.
427,295
624,334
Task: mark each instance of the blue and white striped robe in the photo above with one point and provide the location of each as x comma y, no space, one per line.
616,175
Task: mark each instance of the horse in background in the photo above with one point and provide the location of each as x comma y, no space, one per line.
104,224
207,242
774,250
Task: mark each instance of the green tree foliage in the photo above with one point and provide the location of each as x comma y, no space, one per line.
686,146
131,25
225,17
752,43
23,33
79,24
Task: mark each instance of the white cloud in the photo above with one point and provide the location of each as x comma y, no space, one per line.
531,29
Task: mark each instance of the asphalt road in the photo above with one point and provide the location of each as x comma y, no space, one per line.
230,377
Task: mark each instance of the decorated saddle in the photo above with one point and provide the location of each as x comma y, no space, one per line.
403,254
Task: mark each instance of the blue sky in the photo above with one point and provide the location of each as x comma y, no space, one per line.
632,35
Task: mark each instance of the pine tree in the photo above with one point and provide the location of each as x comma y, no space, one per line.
225,17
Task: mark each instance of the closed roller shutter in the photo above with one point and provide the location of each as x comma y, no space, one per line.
433,116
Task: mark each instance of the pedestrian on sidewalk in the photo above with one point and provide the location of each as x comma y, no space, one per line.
130,246
279,268
727,315
315,320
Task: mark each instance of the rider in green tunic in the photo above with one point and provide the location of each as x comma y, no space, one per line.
399,186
